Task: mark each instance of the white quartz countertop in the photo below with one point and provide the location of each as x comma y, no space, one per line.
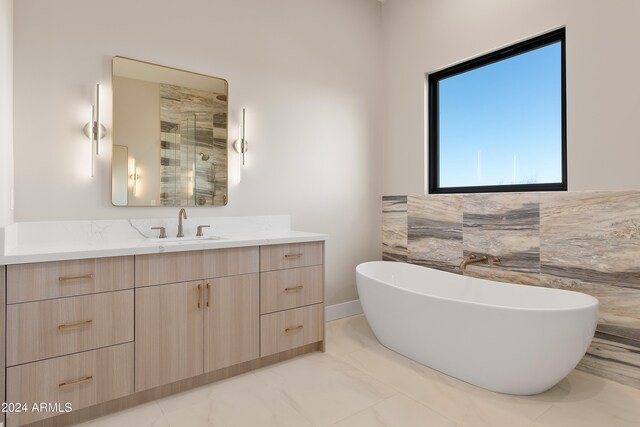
97,239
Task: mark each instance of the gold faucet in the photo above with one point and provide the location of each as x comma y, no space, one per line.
181,214
473,259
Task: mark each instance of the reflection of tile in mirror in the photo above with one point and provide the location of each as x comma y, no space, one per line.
174,124
194,149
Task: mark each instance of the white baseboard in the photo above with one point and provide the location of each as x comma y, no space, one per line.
345,309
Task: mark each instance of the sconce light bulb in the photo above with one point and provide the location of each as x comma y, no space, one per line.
241,145
98,124
136,178
94,130
91,164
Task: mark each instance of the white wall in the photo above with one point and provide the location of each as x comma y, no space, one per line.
306,70
603,86
6,110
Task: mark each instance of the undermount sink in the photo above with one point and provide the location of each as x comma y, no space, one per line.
187,239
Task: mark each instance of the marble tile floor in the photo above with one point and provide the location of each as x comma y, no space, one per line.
358,382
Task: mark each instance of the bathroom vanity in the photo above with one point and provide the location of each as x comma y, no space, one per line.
101,333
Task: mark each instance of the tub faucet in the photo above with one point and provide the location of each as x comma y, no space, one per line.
473,259
181,214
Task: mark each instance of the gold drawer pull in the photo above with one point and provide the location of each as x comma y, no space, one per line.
292,256
76,382
294,289
75,325
295,328
199,296
69,278
208,294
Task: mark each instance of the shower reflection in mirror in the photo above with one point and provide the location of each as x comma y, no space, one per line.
174,124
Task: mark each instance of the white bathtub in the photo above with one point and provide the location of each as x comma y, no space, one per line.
502,337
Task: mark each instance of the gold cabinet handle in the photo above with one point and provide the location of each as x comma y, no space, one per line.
199,296
208,294
70,278
294,289
76,382
292,256
75,325
293,329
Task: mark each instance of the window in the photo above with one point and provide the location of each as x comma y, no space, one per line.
498,122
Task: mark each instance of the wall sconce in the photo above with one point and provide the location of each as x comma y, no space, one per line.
134,176
241,145
190,182
94,130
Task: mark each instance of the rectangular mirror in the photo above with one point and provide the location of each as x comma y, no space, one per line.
169,136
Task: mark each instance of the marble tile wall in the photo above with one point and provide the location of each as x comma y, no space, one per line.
394,228
582,241
506,226
435,231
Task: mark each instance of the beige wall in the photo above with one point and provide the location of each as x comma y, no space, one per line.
137,125
6,110
603,65
306,70
310,74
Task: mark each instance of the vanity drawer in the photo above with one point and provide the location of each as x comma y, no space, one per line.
289,329
278,257
295,287
82,379
43,329
47,280
160,269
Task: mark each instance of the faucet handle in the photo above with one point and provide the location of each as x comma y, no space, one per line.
163,232
200,227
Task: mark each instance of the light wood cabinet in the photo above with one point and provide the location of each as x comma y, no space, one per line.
291,294
175,267
231,321
168,333
3,308
50,328
289,329
295,287
47,280
91,331
82,379
291,255
185,329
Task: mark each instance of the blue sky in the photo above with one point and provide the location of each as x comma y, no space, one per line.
502,121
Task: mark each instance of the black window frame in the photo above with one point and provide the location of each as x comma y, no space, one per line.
496,56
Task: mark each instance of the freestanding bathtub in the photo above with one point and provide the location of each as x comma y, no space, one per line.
502,337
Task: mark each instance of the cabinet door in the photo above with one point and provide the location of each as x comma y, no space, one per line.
231,321
168,333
